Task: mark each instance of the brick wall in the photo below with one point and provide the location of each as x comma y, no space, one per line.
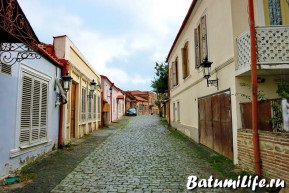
274,153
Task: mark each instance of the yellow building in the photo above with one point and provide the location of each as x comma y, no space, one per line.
207,109
82,111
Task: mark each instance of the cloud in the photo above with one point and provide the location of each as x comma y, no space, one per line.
149,30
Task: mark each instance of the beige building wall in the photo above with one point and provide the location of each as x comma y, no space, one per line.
226,21
82,73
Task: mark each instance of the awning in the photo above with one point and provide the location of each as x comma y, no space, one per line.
120,97
106,107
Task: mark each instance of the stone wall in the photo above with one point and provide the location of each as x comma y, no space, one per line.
274,153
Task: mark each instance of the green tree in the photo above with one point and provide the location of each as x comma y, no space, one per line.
160,84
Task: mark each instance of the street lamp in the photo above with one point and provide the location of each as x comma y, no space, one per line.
61,97
206,65
66,82
92,87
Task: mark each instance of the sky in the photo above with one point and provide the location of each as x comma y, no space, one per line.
121,39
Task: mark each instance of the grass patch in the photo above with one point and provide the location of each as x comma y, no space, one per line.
26,177
217,161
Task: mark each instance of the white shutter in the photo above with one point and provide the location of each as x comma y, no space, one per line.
26,109
33,126
43,118
35,111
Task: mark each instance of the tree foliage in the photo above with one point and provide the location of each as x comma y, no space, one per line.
160,82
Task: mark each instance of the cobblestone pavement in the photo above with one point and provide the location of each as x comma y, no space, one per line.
141,157
48,171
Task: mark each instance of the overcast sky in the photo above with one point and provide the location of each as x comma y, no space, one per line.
121,39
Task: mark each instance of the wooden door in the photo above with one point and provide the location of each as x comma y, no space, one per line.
72,114
215,123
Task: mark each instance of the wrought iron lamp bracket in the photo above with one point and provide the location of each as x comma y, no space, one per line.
10,53
212,82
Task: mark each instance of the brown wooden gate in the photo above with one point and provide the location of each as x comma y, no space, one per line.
215,123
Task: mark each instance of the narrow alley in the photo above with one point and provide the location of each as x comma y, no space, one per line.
143,156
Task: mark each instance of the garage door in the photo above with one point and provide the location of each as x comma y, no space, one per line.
215,123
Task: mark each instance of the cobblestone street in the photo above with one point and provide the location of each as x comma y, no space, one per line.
141,157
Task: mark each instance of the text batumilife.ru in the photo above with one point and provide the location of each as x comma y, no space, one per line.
242,182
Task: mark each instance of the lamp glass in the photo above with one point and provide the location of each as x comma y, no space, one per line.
92,85
66,82
206,72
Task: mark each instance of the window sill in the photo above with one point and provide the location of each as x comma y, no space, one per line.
185,79
28,148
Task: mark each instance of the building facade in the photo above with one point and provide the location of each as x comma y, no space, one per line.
113,101
82,111
207,109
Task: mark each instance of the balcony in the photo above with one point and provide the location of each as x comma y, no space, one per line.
272,50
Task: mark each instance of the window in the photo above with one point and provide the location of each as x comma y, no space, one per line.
33,120
201,47
89,108
185,60
83,104
276,12
178,111
94,106
175,78
174,112
98,107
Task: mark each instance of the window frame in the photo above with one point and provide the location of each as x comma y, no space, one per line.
83,104
44,80
201,41
185,60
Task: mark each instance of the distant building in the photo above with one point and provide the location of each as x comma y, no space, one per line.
82,111
113,101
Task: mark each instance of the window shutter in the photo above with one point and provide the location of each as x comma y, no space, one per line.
6,69
171,77
197,48
26,109
174,73
94,106
185,60
35,111
33,126
43,119
204,50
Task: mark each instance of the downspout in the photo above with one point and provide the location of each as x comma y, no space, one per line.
64,70
257,164
169,97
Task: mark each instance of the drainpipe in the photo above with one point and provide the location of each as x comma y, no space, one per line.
64,70
257,164
169,97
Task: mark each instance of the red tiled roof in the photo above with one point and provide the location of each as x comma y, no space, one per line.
140,99
48,52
